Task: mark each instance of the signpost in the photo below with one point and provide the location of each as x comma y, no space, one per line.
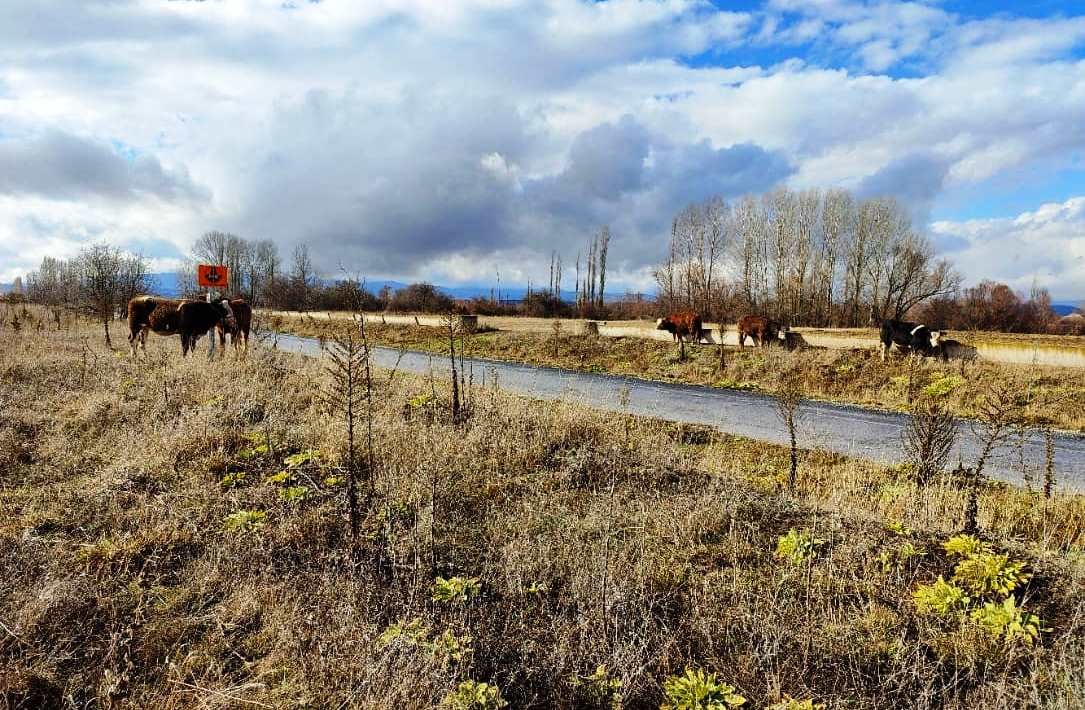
213,277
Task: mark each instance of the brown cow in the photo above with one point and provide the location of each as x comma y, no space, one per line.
760,330
166,316
681,325
151,313
240,334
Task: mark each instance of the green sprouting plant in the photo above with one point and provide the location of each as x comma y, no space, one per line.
988,573
792,704
244,521
965,546
536,588
455,589
940,597
233,479
897,559
410,632
1008,621
697,690
472,695
420,400
332,481
280,477
597,691
301,458
943,385
449,647
797,545
898,528
252,452
294,494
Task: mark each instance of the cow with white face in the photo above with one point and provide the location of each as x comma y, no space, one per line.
913,337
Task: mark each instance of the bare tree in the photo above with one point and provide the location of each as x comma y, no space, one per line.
107,278
302,277
604,245
837,223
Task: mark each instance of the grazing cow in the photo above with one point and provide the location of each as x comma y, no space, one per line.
949,349
760,330
240,334
151,313
166,316
198,317
914,337
681,325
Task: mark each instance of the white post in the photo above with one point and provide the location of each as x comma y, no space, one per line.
211,296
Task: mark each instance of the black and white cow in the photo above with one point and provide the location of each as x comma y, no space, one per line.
915,337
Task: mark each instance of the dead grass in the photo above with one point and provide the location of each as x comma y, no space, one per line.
595,539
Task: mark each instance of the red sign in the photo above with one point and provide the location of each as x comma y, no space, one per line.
212,275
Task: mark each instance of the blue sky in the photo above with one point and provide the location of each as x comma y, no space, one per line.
414,139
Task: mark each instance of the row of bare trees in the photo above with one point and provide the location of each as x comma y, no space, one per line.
99,282
990,305
811,257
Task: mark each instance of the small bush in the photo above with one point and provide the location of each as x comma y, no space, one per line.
244,521
294,494
792,704
940,597
797,546
597,691
943,385
988,573
455,589
697,690
1008,621
472,695
965,546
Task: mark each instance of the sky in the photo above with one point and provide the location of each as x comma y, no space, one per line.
455,141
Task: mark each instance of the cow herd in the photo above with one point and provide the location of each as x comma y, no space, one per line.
907,337
191,320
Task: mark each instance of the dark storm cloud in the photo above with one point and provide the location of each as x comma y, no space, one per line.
915,180
390,189
62,166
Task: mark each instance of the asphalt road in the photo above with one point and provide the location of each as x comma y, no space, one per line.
849,430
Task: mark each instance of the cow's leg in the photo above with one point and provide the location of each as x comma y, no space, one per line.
885,350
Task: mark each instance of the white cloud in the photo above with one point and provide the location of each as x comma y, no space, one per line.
1045,246
424,138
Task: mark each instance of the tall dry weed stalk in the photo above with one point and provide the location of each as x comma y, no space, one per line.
788,398
351,389
929,439
999,413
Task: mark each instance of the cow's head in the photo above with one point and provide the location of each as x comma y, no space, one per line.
227,313
936,338
782,332
664,324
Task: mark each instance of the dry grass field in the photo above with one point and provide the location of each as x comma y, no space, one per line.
174,534
1056,395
